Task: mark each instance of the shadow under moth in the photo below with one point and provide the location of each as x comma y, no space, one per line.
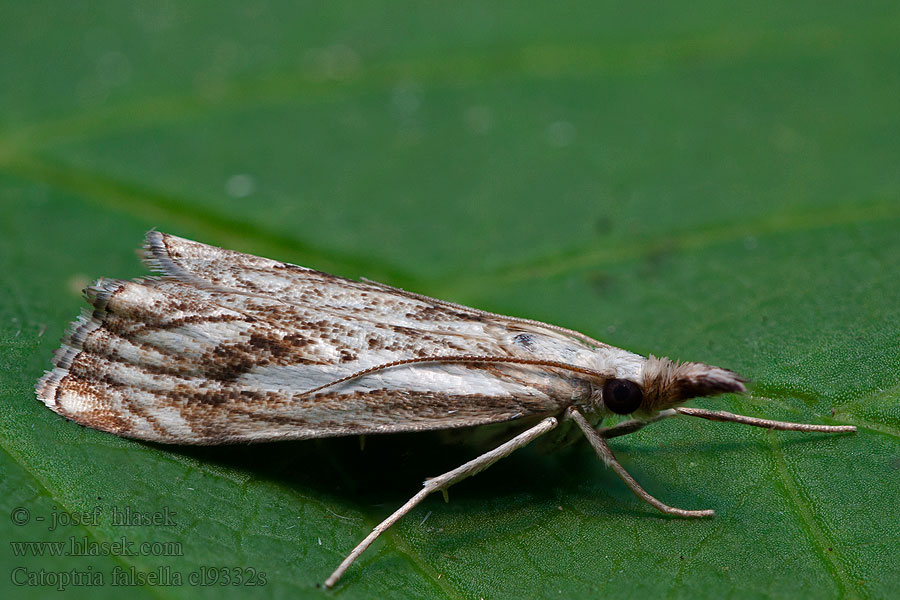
224,347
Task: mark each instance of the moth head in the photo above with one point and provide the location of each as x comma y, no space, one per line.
663,384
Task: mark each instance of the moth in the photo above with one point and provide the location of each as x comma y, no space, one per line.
223,347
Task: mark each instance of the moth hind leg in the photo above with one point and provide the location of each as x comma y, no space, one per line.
442,482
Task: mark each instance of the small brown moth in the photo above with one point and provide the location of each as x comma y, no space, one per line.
225,347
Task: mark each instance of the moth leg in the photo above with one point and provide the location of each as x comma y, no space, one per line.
442,482
632,425
720,415
607,456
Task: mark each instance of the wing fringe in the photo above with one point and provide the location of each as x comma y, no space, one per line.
72,344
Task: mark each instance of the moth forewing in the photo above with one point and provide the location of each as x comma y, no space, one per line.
224,347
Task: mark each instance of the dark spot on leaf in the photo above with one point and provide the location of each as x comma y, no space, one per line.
603,225
600,282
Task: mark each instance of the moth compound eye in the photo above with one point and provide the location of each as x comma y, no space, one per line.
621,396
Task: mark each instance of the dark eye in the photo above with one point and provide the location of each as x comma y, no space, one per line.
621,396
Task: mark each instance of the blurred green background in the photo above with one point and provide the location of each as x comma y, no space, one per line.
708,181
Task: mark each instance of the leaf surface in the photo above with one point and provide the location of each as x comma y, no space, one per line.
686,181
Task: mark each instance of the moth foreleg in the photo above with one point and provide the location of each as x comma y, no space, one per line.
632,425
721,415
442,482
609,458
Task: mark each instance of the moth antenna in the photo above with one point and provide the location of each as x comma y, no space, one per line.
464,359
721,415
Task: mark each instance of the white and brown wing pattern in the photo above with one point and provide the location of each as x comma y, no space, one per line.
224,347
228,347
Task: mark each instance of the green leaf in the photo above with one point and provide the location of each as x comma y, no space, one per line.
697,181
